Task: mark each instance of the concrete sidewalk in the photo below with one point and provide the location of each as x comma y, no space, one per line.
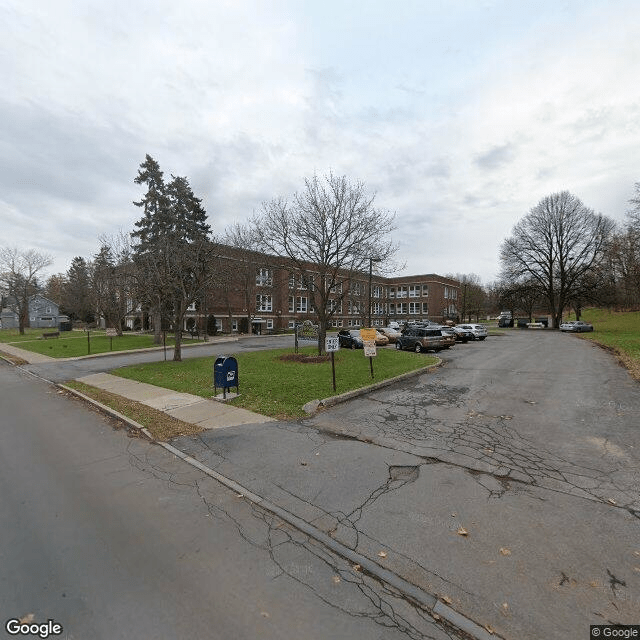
28,356
208,414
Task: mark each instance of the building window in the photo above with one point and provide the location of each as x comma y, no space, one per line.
401,292
269,324
292,324
377,291
301,304
414,290
425,290
264,278
401,308
414,308
264,303
355,289
392,308
234,325
425,309
334,306
392,292
336,288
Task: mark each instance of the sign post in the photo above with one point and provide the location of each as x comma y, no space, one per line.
110,333
331,345
369,339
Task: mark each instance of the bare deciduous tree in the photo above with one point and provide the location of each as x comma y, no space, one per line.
556,246
331,232
19,272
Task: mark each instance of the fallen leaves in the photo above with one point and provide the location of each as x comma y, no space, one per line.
336,579
611,501
356,567
505,552
447,599
462,532
27,619
382,554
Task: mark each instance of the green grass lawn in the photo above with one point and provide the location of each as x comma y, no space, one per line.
13,335
274,387
74,343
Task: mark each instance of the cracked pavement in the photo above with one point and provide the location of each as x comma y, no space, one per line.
506,482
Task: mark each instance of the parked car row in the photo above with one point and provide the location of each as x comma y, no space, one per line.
425,336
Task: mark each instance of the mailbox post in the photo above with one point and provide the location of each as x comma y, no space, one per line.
225,374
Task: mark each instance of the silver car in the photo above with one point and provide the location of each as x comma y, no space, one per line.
479,331
576,326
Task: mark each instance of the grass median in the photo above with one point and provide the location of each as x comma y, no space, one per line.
75,343
272,385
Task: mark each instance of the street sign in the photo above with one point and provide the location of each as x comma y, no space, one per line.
369,348
331,344
368,335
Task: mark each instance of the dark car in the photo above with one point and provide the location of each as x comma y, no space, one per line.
423,339
350,339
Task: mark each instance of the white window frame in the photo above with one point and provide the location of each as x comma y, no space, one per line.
264,278
264,302
302,304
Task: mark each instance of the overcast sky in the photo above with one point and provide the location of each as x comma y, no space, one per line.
459,115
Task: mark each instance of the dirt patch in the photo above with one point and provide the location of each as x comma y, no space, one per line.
161,425
13,359
300,357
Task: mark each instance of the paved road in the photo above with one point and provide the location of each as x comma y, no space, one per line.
528,443
62,370
112,537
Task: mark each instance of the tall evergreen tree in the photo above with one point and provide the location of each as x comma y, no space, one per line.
172,249
77,291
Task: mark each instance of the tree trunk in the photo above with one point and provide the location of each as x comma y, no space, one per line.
177,350
157,326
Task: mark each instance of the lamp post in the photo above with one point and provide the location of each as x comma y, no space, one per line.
371,261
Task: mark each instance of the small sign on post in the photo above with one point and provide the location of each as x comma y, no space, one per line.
331,345
370,348
369,339
111,334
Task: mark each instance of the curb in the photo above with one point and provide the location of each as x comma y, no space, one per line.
419,596
314,406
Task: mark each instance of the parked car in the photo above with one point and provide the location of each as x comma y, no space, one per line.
392,334
381,339
479,331
422,339
350,339
576,326
461,335
448,336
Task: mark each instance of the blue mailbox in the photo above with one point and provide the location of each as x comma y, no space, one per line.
225,374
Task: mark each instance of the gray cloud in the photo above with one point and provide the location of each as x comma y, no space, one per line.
496,157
